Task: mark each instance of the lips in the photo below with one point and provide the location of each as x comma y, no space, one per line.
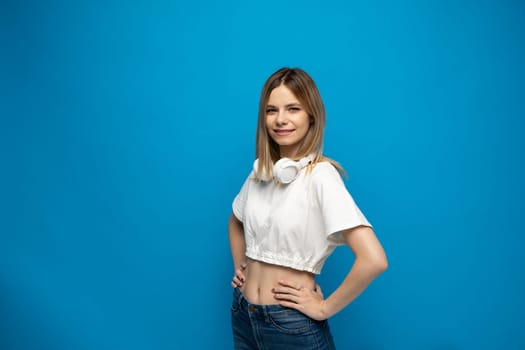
284,132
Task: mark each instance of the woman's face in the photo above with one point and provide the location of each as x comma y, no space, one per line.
286,120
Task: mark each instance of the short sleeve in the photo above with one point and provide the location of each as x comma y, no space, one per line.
240,200
338,209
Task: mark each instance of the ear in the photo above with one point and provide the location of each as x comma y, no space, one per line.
311,120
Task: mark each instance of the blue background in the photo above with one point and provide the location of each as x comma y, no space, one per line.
128,127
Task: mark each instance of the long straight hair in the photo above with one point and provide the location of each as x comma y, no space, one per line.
304,89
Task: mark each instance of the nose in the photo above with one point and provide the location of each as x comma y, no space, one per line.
281,118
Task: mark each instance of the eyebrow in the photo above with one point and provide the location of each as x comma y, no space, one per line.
287,106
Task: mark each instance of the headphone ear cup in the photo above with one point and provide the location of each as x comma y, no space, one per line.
286,170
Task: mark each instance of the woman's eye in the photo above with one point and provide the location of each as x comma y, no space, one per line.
294,109
271,110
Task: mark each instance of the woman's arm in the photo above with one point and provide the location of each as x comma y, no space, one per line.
238,249
370,262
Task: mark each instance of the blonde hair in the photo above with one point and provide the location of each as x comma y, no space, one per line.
305,90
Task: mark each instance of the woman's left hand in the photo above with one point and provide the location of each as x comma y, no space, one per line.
309,302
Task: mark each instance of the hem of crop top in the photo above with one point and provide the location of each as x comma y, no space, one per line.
285,262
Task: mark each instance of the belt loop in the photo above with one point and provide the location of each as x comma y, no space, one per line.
266,314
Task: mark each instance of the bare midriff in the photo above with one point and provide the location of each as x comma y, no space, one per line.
261,278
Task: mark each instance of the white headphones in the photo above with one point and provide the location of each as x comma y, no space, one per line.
284,170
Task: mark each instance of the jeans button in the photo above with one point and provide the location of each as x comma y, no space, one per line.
252,308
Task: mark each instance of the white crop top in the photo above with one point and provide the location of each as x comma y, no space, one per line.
296,225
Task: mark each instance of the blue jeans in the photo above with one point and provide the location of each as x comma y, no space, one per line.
274,327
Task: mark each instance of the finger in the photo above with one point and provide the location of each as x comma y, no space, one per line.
287,298
243,266
237,281
240,275
291,305
290,285
286,290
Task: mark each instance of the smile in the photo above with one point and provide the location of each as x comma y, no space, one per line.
284,132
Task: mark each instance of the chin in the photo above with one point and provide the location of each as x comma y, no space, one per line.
285,143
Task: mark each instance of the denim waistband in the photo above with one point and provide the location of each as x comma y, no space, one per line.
263,309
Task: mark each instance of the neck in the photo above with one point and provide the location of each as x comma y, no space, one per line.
288,152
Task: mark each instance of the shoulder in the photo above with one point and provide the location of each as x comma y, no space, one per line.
325,168
325,174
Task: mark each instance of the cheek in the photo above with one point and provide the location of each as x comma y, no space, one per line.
305,131
306,121
307,126
268,120
268,125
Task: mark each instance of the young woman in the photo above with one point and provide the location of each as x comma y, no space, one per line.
290,214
